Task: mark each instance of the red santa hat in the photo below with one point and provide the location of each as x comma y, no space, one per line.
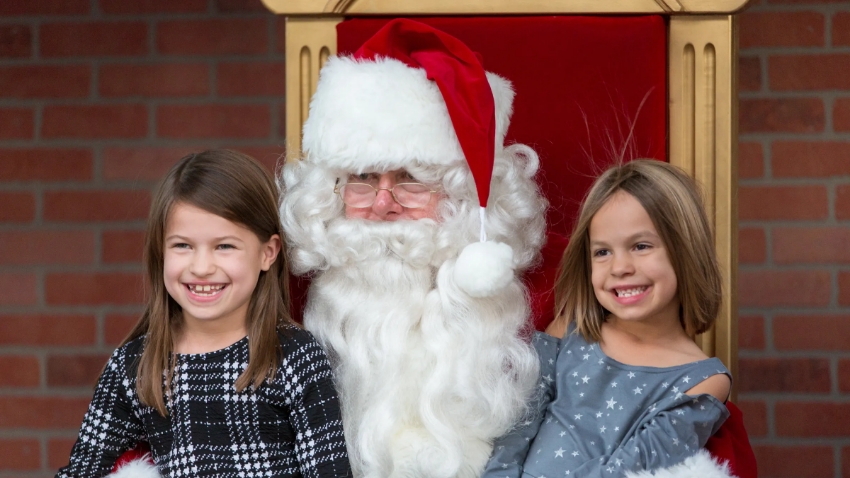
413,94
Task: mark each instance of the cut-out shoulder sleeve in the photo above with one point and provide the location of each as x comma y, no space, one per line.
665,435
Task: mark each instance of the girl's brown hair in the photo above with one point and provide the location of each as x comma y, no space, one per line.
672,200
237,188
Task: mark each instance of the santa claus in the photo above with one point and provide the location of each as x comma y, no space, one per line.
415,289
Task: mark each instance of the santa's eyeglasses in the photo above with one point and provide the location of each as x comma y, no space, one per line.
409,195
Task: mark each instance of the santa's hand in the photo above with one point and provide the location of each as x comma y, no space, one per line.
484,268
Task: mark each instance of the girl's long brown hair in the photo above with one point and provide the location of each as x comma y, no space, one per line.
233,186
673,201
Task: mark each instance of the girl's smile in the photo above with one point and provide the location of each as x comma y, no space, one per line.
205,292
630,294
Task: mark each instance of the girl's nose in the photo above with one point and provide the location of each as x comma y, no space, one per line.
622,264
202,264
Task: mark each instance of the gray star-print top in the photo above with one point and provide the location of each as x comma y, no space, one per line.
596,417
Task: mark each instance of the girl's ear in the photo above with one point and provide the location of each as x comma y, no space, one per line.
269,250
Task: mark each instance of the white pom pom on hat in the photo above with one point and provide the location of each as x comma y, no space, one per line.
415,93
484,268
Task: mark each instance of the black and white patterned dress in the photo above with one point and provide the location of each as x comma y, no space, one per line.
288,427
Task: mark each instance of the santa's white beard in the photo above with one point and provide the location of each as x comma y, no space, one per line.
427,375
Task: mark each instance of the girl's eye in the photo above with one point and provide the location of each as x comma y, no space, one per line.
180,245
226,246
600,253
643,247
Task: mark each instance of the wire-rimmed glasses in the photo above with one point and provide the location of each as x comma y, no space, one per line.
409,195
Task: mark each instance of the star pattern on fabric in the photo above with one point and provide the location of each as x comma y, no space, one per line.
602,413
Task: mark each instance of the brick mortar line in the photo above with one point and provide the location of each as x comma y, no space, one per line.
144,59
58,392
808,266
784,310
53,268
830,181
146,143
791,225
802,8
104,17
80,186
806,441
790,136
784,397
767,52
256,100
820,94
25,433
45,351
796,354
74,310
96,227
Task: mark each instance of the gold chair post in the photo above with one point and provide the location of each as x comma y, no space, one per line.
703,141
309,43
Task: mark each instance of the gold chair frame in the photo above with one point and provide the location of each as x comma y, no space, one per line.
702,95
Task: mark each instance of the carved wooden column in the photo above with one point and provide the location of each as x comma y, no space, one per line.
703,141
309,43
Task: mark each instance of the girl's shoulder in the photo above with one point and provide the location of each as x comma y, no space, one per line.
295,341
131,349
125,359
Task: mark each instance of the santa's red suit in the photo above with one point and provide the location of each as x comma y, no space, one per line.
426,322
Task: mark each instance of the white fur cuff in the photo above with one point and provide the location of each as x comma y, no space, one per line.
484,268
701,465
139,468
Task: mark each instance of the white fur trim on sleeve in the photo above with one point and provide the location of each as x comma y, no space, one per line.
701,465
484,268
139,468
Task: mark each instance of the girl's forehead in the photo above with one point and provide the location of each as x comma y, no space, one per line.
190,219
621,215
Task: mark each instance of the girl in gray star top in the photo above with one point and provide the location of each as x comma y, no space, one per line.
626,388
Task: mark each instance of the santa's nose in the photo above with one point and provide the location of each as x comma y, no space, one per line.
385,206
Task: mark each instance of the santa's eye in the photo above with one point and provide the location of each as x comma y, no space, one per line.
363,178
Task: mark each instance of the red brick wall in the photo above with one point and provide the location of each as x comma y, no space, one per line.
794,282
99,97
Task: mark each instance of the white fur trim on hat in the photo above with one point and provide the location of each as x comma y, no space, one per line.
484,268
701,465
138,468
382,115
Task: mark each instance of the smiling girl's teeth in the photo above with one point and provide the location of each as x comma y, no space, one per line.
205,289
629,292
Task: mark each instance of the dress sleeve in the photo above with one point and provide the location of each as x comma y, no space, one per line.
510,450
664,436
314,410
110,427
